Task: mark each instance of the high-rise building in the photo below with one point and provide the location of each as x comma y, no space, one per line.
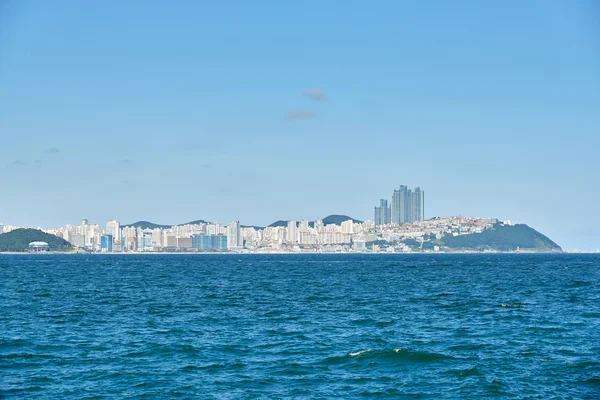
106,243
292,232
303,226
234,236
209,242
417,203
114,228
400,212
319,227
382,213
347,226
407,206
147,242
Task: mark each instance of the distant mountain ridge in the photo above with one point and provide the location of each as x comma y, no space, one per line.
146,225
151,225
330,219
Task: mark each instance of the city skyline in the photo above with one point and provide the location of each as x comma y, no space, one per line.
267,110
332,234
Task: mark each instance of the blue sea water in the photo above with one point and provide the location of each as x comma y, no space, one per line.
299,326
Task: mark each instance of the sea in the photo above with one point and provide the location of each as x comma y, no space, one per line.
242,326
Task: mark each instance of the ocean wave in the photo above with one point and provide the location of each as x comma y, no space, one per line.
397,355
595,381
512,305
358,353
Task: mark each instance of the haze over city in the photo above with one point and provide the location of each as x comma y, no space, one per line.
265,111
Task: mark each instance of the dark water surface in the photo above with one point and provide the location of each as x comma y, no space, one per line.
327,326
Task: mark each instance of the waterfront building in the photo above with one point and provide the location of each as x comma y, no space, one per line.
114,228
184,243
144,241
209,242
169,241
319,227
106,243
292,232
303,226
234,236
157,237
347,226
36,247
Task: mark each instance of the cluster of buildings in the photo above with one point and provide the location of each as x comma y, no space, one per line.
293,236
399,225
200,237
145,238
407,206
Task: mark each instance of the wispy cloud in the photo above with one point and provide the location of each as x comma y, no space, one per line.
53,150
315,94
125,161
300,115
18,162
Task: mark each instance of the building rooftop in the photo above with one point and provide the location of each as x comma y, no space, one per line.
32,244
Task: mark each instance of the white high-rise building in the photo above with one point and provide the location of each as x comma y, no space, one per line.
319,225
292,232
234,235
157,237
303,226
114,228
348,226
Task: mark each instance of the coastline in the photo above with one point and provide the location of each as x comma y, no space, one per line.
162,253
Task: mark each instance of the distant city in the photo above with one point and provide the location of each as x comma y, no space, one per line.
399,227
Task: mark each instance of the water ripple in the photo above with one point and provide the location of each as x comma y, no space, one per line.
299,326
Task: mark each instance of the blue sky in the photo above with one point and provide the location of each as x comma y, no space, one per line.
174,111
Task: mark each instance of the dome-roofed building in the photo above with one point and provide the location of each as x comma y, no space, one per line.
36,247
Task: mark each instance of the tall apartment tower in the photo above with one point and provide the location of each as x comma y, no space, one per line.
292,232
417,205
382,213
401,205
234,235
407,205
114,228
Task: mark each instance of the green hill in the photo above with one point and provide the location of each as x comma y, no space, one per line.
502,238
19,239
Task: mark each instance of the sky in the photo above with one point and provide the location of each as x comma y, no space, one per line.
266,110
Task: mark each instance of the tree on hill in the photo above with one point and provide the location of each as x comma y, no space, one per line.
19,239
